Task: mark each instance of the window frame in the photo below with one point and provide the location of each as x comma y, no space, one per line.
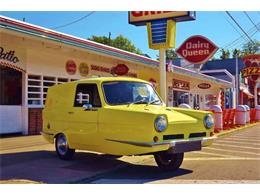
76,92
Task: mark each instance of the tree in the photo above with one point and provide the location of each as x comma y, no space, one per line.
225,54
101,39
119,42
237,52
251,47
171,54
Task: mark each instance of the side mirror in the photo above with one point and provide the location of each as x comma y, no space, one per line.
87,106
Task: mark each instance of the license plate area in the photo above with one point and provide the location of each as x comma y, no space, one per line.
186,147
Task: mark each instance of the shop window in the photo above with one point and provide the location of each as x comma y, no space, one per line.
210,100
87,93
62,80
10,86
38,87
34,90
180,97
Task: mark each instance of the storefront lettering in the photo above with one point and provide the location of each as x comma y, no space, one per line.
9,56
204,85
178,84
121,69
100,68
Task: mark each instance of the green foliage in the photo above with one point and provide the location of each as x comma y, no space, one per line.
225,54
251,48
237,52
171,54
119,42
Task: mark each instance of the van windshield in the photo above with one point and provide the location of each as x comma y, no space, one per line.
126,92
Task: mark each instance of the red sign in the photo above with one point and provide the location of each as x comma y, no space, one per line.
204,85
178,84
71,67
120,69
197,49
252,69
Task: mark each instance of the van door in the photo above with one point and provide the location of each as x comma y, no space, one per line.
84,122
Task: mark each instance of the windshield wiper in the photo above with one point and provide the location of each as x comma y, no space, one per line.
151,102
138,101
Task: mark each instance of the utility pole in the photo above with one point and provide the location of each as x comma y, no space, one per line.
237,82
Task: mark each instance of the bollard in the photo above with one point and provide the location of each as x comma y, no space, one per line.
241,112
218,117
257,115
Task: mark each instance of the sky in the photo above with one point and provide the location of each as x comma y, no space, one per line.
217,26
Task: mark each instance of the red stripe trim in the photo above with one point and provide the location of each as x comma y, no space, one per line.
12,66
70,38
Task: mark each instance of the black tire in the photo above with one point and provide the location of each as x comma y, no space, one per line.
62,148
167,161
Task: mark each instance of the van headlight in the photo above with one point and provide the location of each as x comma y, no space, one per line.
160,123
208,121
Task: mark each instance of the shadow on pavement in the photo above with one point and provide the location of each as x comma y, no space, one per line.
45,166
140,174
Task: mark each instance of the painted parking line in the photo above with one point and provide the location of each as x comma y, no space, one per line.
236,146
234,151
238,142
213,154
241,139
245,137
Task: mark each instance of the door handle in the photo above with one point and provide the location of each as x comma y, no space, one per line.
70,112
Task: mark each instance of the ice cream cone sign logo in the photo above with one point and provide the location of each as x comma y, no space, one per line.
197,49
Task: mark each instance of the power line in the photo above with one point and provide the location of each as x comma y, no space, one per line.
231,24
235,42
239,26
251,20
251,32
75,21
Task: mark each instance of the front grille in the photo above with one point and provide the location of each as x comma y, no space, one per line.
176,136
193,135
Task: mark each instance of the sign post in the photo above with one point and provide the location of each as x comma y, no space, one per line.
161,29
162,70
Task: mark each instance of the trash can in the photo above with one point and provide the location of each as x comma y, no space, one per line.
218,117
247,113
241,113
184,106
257,115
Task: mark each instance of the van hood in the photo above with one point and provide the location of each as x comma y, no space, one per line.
173,116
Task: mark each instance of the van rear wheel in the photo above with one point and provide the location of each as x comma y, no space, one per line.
62,148
167,161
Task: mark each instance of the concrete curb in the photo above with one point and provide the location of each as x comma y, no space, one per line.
228,132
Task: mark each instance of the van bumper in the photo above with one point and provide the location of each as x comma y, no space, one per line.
174,146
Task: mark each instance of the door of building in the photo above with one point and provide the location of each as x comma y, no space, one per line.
10,100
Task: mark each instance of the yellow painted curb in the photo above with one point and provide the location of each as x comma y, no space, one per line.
230,131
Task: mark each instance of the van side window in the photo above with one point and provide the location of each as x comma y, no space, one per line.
87,93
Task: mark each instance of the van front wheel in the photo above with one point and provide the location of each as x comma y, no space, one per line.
62,148
168,161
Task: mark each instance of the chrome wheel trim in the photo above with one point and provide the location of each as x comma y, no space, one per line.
62,145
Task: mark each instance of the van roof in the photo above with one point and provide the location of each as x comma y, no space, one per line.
102,79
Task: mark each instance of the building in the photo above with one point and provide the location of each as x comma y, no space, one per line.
33,58
246,92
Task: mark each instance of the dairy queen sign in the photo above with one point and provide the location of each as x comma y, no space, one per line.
197,49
